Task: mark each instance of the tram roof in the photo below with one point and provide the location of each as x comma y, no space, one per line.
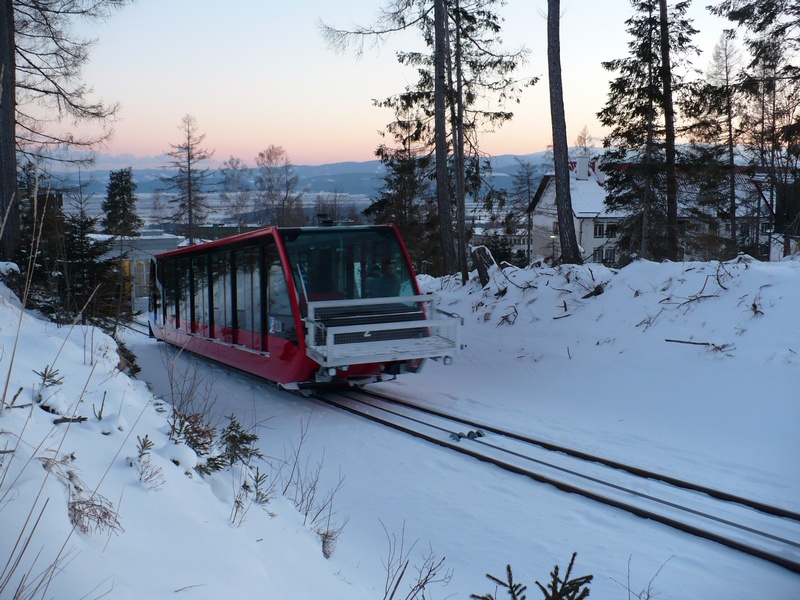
243,239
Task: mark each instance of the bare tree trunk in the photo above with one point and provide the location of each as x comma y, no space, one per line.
457,118
190,190
570,253
9,203
669,133
483,261
440,125
731,165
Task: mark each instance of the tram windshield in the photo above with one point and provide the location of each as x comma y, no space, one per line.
353,263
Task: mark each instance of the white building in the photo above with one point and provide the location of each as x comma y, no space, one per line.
595,225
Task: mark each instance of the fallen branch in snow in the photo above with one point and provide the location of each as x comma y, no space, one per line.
562,316
689,342
698,298
189,587
69,420
721,267
509,318
716,347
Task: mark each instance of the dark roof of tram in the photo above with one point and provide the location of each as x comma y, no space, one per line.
245,239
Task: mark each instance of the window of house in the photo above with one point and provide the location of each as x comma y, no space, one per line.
611,230
599,230
597,255
611,255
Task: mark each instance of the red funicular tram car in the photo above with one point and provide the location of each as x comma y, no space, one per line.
302,306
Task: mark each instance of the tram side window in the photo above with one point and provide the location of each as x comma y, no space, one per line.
280,321
221,295
201,316
184,285
166,277
248,297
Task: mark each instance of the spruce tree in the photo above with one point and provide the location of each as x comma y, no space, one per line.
765,22
635,159
90,286
408,201
119,206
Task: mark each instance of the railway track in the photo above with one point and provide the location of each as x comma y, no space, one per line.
138,327
767,532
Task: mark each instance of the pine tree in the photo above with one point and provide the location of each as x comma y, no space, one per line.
191,204
119,206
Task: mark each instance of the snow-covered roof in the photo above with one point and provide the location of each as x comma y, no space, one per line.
586,190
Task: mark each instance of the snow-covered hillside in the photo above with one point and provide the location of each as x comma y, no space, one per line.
691,369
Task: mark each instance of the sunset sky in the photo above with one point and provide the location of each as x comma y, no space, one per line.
256,73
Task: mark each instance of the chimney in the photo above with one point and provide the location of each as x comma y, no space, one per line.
582,168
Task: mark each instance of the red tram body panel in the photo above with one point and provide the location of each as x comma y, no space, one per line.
301,305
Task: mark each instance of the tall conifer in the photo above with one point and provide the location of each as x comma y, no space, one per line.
120,205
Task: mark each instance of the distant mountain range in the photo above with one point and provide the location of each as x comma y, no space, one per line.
363,179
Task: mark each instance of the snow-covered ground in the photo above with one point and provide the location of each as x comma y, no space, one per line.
607,373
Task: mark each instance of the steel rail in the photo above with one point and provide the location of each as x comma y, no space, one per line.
640,472
448,434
